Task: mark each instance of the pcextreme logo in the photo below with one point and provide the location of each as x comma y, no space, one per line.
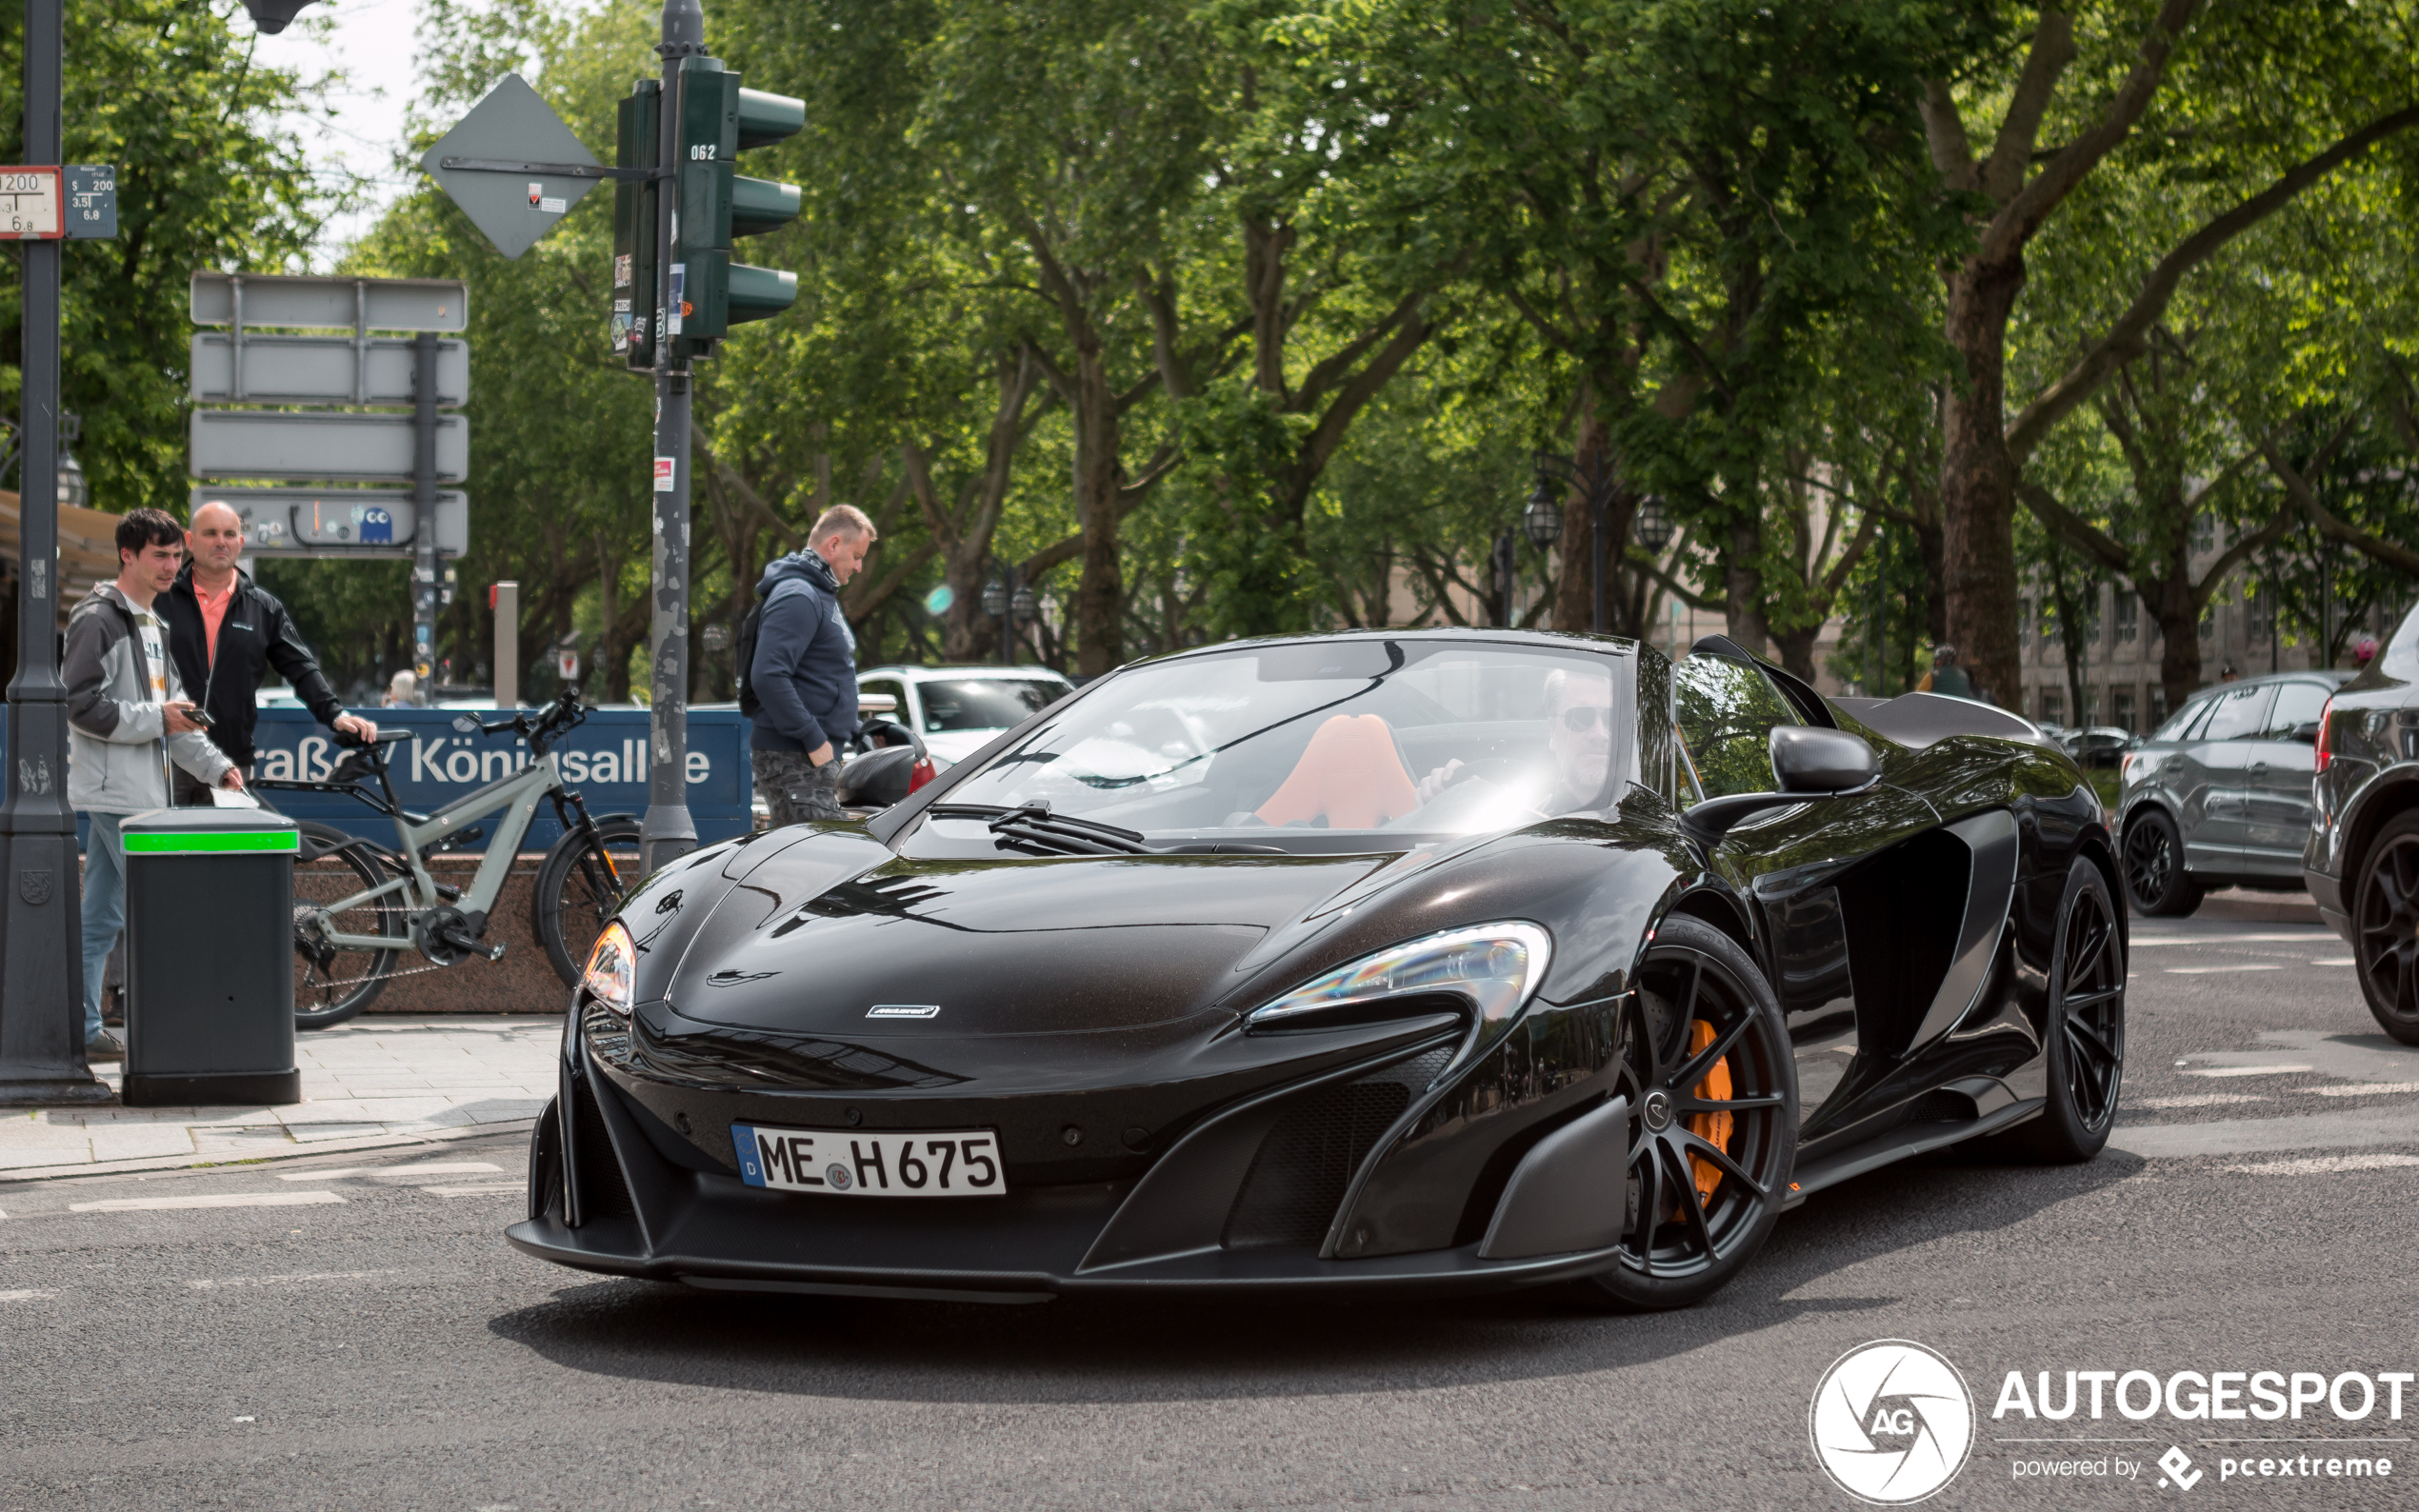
1891,1422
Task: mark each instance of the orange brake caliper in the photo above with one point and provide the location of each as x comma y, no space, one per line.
1715,1128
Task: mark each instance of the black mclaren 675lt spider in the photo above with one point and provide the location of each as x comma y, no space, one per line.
1421,961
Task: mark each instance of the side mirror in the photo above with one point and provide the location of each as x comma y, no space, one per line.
2307,732
467,724
1809,762
1821,762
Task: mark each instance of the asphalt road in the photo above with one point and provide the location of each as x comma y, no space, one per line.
369,1341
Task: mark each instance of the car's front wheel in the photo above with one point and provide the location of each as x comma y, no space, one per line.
2386,927
1705,1062
2156,881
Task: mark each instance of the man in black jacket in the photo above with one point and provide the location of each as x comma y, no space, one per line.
224,630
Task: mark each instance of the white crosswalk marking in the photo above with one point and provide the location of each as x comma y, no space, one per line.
2327,1165
155,1204
393,1172
515,1190
26,1295
2203,971
2246,1070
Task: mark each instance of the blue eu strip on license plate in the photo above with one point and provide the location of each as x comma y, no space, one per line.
855,1163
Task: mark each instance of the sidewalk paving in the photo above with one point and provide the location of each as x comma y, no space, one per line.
369,1083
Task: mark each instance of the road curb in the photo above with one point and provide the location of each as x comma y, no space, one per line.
221,1161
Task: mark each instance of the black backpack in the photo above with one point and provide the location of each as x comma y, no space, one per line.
746,650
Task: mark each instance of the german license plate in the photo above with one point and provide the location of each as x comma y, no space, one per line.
852,1162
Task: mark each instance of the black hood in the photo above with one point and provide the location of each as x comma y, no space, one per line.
1007,947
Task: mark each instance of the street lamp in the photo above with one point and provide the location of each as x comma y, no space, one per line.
1654,522
1543,518
1007,600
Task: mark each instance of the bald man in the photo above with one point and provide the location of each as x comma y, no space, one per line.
222,631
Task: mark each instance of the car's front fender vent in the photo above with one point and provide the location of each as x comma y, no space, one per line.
1303,1165
602,1193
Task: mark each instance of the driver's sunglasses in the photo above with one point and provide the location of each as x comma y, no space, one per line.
1586,717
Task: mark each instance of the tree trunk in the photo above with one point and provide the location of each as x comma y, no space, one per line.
1797,650
1575,598
1978,483
1100,609
1743,586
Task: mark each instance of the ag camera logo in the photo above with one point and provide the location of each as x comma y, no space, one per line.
1891,1422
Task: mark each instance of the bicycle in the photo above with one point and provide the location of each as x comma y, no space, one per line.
358,906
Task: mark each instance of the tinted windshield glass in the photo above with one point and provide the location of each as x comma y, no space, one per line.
984,703
2296,704
1725,710
1401,736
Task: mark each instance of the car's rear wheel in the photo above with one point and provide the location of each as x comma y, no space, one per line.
2084,1033
1705,1062
2386,927
2156,881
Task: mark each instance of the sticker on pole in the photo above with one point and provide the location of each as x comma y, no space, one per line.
665,472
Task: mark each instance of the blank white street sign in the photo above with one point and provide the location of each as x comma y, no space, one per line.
321,369
340,304
302,444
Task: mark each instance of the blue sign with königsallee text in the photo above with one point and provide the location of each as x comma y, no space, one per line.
603,759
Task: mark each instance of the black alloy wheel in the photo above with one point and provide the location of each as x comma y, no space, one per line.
2156,881
1703,1060
2385,928
2083,1029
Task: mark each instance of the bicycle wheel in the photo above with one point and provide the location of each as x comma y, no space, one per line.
332,984
579,887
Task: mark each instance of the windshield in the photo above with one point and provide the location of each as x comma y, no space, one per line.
1409,737
986,702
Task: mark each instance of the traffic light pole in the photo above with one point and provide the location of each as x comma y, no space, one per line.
41,952
669,831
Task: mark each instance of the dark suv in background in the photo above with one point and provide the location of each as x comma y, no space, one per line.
2219,796
2362,863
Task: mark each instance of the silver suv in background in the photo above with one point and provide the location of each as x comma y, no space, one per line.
958,709
2219,796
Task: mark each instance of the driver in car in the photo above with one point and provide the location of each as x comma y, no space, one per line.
1579,720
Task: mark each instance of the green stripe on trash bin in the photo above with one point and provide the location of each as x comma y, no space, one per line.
207,841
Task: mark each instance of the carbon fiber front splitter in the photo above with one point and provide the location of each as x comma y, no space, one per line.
613,1246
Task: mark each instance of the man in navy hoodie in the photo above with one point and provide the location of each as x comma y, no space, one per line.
805,672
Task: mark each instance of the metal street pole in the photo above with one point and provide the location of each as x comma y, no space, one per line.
667,832
41,963
423,509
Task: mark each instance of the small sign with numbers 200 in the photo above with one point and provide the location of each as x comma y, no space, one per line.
853,1163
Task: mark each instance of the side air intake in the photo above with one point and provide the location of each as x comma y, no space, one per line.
1306,1163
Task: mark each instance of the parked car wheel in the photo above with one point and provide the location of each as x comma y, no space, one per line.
2386,927
2156,881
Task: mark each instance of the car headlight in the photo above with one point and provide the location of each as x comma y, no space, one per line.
609,962
1498,966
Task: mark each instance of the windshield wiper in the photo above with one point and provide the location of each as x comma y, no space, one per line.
1032,824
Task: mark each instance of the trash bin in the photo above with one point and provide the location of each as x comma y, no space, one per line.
209,958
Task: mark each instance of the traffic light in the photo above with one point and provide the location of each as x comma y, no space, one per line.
718,121
635,145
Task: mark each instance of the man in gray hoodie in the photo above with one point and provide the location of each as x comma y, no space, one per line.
128,718
801,688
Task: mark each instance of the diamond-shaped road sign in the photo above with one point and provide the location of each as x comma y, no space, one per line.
513,166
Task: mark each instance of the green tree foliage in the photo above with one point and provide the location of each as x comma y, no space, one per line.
168,91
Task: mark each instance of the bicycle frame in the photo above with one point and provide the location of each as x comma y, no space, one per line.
515,797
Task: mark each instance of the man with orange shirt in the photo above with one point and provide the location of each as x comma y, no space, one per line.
224,630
